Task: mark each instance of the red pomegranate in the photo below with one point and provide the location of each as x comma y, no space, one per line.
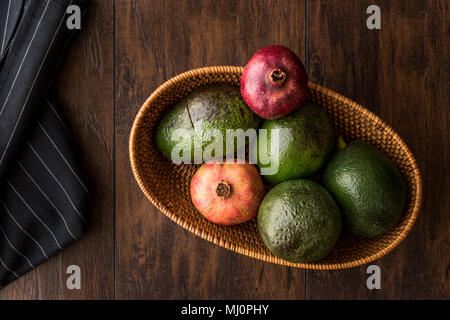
274,82
227,194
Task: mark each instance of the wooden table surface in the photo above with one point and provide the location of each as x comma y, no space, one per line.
127,48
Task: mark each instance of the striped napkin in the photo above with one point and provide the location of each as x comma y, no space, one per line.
43,198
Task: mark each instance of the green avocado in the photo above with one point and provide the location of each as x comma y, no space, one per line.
368,187
305,141
299,221
218,107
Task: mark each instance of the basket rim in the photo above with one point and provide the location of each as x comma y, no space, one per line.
417,197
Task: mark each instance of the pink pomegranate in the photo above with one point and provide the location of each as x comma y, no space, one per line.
227,194
274,82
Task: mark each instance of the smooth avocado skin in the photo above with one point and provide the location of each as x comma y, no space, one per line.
177,118
306,140
299,221
368,188
218,106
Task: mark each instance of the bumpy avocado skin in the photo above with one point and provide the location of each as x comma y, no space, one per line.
306,139
299,221
368,187
218,106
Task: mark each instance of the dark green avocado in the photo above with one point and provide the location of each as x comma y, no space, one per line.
368,187
305,141
218,106
299,221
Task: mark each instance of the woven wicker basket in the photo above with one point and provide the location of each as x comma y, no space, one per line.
167,185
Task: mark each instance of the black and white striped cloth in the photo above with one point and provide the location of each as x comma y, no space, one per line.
42,194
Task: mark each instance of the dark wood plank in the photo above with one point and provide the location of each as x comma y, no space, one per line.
401,73
156,40
85,89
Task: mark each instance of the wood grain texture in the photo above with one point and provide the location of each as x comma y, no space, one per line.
401,73
156,40
84,86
